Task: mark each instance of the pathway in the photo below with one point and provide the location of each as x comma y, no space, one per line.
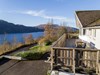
15,67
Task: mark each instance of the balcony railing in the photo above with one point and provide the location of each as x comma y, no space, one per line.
74,57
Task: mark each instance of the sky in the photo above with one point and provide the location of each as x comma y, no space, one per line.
35,12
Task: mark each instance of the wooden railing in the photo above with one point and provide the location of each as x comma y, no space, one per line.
74,57
61,42
64,57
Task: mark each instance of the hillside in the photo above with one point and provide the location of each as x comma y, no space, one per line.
7,27
70,29
42,26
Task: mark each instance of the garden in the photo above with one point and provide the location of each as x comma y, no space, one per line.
51,34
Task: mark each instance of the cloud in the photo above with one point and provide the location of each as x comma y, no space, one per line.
35,13
42,14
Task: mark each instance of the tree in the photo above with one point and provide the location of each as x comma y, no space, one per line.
62,30
29,39
52,33
48,31
6,46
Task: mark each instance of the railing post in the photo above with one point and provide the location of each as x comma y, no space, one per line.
74,61
55,55
97,63
52,54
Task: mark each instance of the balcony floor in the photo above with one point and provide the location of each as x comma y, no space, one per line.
71,43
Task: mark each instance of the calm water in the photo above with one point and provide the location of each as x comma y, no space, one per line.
19,37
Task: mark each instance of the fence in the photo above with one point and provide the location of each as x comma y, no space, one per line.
73,57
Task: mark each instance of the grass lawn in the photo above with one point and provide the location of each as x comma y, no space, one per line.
39,48
35,52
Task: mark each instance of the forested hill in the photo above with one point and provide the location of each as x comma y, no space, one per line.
7,27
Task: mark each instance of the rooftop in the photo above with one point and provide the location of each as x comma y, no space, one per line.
88,16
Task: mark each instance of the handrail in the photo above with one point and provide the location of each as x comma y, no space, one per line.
62,38
81,49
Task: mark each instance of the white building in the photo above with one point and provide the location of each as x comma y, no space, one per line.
88,23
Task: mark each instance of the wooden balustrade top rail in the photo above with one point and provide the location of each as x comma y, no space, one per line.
62,38
79,49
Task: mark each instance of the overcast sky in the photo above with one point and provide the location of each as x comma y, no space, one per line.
35,12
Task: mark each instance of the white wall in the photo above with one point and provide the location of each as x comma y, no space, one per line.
98,38
88,37
84,38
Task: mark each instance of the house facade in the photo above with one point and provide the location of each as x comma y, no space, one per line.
88,23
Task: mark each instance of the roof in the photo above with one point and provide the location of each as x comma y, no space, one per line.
88,17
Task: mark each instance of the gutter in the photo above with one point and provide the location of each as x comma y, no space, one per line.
96,27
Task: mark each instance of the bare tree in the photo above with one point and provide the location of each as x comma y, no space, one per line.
29,39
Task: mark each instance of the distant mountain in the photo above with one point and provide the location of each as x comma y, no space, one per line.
7,27
42,26
70,29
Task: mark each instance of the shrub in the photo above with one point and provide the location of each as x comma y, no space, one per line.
49,72
48,43
40,48
85,70
42,41
89,71
79,69
34,53
29,39
30,55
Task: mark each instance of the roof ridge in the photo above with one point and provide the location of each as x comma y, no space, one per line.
85,10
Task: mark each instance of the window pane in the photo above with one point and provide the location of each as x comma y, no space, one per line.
94,32
84,31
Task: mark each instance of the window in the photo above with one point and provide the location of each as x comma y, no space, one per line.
90,32
84,31
94,32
